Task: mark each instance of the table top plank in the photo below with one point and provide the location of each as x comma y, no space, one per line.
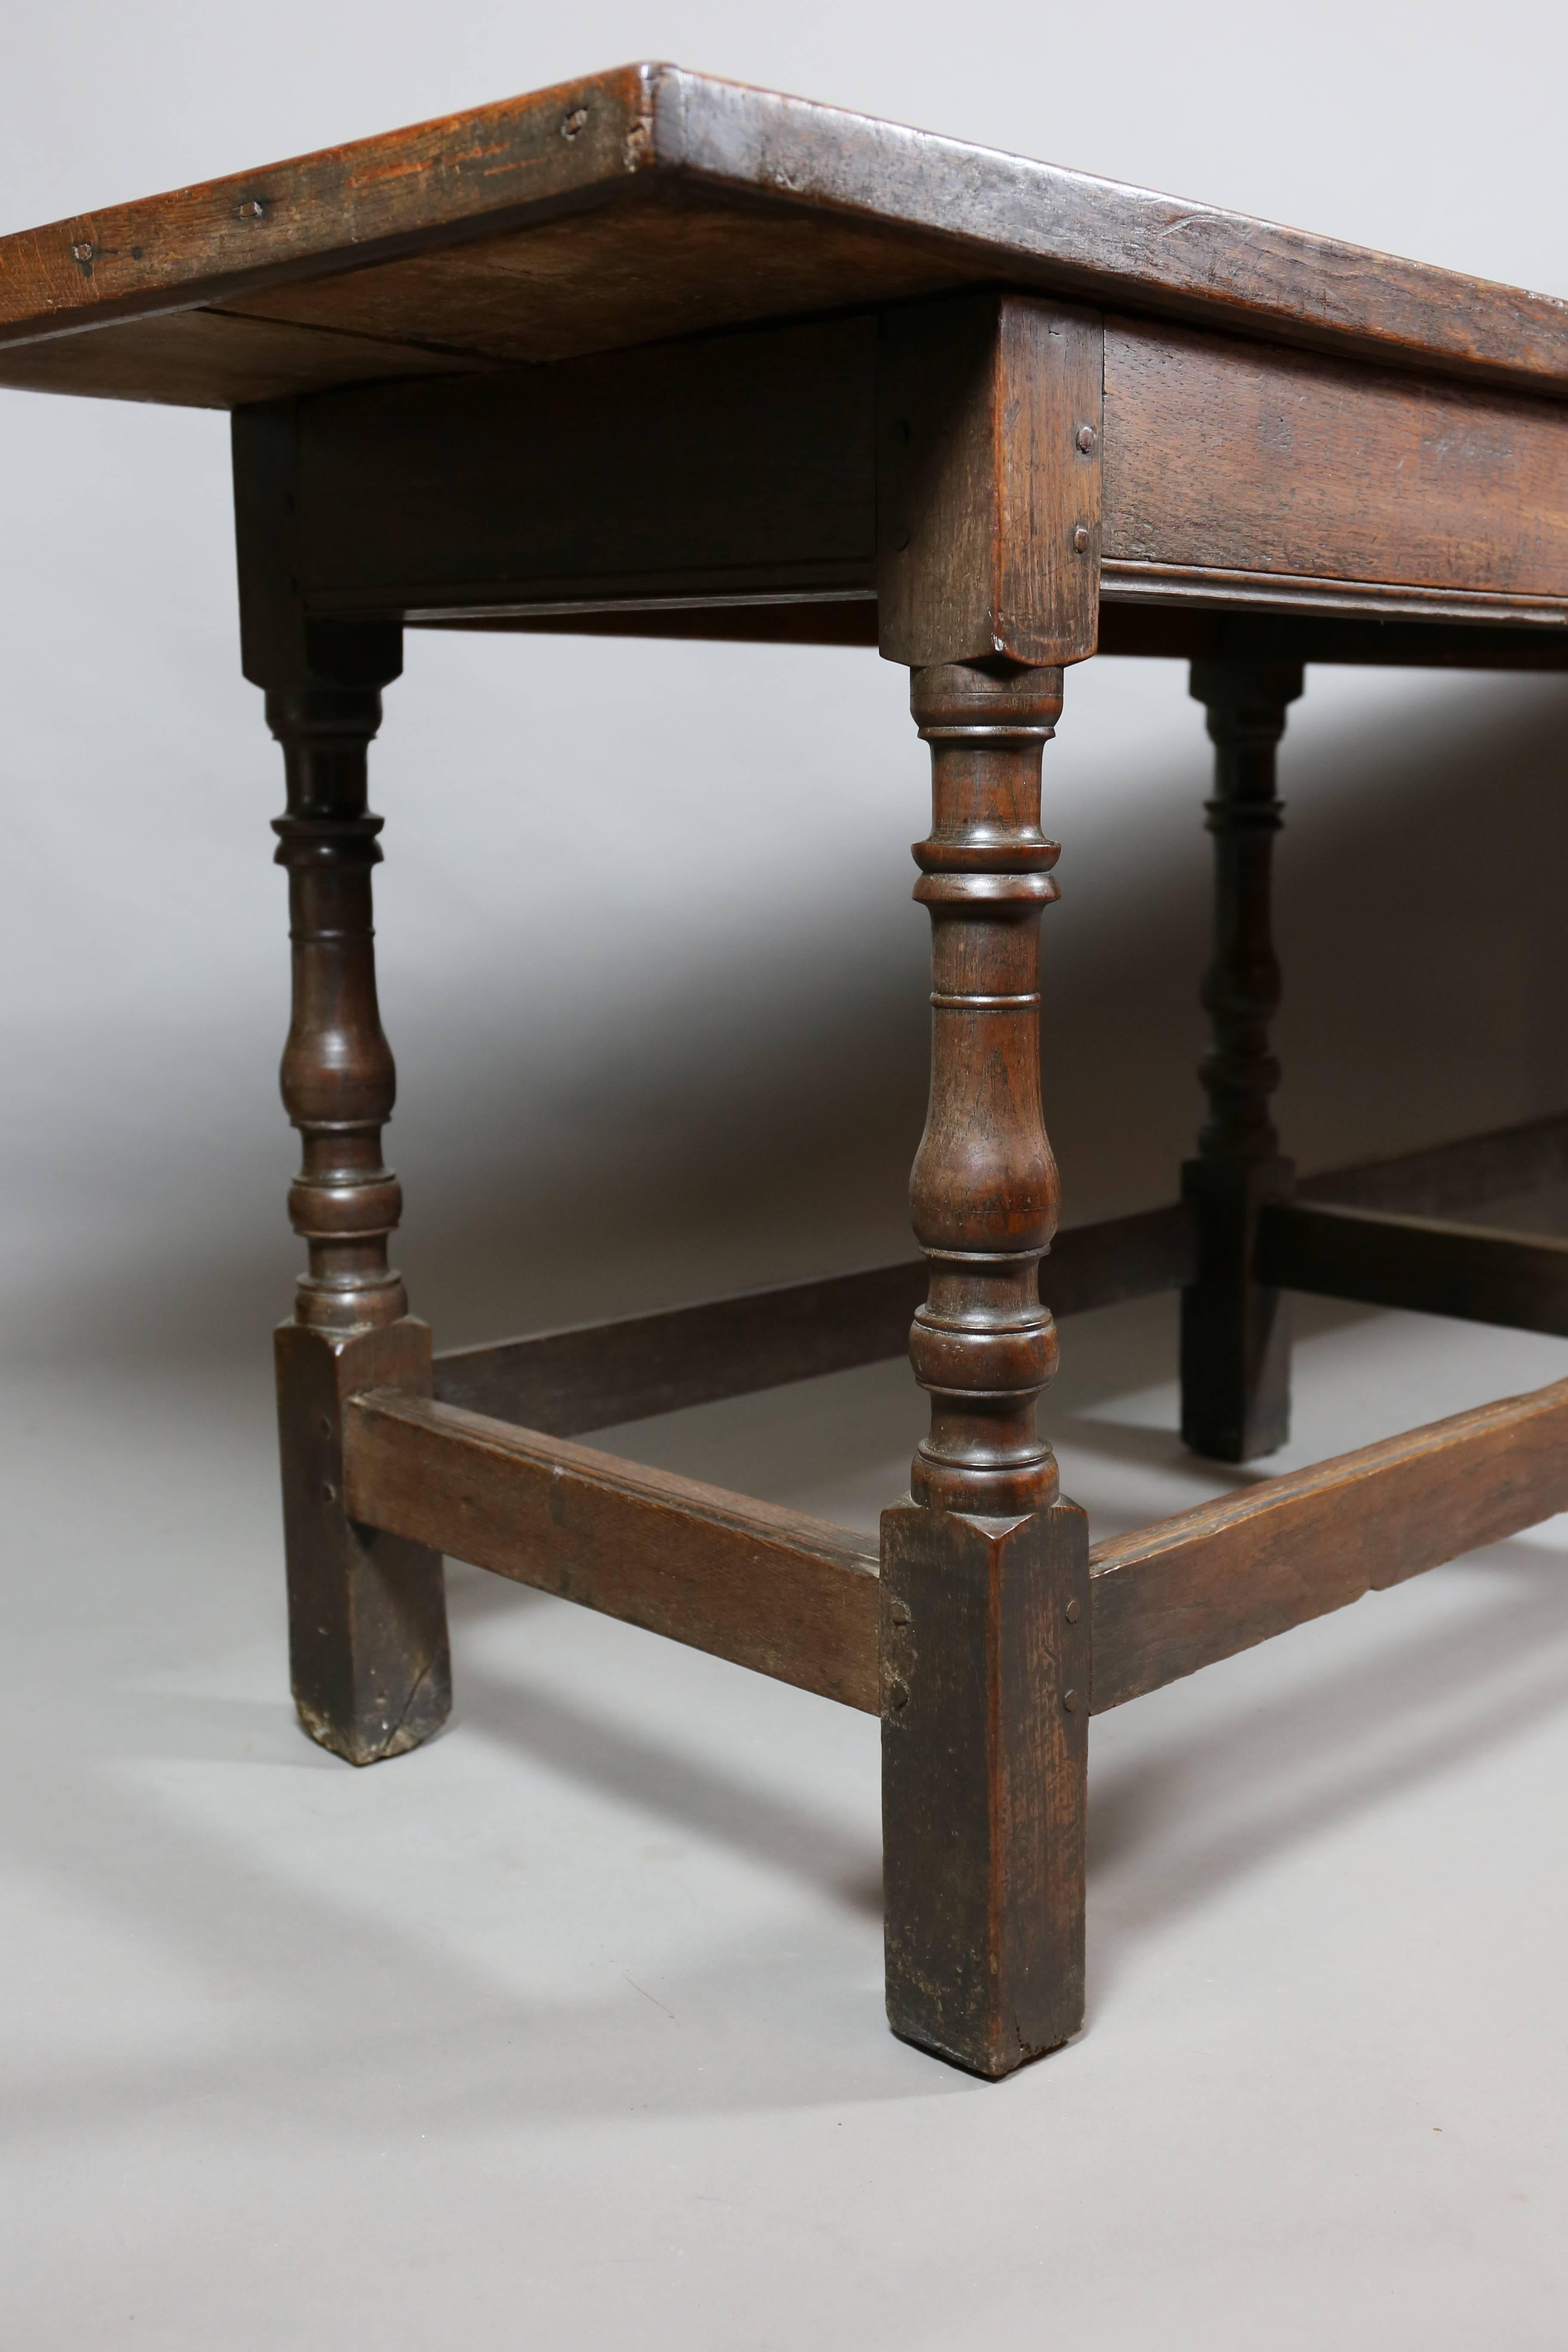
211,358
650,201
664,262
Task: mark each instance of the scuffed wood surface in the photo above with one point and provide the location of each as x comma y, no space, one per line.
1110,244
982,479
208,359
1224,455
1192,1590
789,1596
678,261
767,205
340,208
985,1757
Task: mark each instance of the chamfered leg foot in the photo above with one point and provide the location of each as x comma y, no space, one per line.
985,1600
368,1619
985,1777
369,1666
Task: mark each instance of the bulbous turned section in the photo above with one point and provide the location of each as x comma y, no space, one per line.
1246,704
983,1192
338,1078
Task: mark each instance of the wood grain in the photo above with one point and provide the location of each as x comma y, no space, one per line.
206,359
367,1625
983,1190
745,468
986,1659
1231,456
670,262
341,208
1140,627
1098,241
368,1657
727,465
1422,1264
1375,607
984,1568
1186,630
864,459
898,210
797,1599
788,1596
988,482
338,1078
1189,1590
567,1381
847,619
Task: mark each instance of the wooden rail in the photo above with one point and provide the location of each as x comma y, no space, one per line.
1453,1175
797,1598
1188,1591
596,1374
1520,1280
599,1373
792,1596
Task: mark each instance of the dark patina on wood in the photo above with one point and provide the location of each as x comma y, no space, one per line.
367,1624
985,1665
627,1368
988,487
797,1598
1189,1590
369,1663
367,1621
790,1596
1478,1275
566,1381
1236,1332
647,202
985,1571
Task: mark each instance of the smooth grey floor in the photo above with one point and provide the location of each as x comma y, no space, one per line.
567,2031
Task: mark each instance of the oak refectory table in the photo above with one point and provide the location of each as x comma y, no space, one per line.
651,353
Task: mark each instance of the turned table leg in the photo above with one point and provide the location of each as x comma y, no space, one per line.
985,1568
367,1624
1236,1331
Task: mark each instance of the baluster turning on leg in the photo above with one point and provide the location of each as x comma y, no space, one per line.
985,1571
338,1080
1235,1333
366,1611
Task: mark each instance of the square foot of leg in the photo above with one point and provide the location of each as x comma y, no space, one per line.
985,1665
367,1613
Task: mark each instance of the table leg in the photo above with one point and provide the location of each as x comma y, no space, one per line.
1236,1332
366,1611
985,1567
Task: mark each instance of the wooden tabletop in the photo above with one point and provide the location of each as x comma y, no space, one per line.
648,203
